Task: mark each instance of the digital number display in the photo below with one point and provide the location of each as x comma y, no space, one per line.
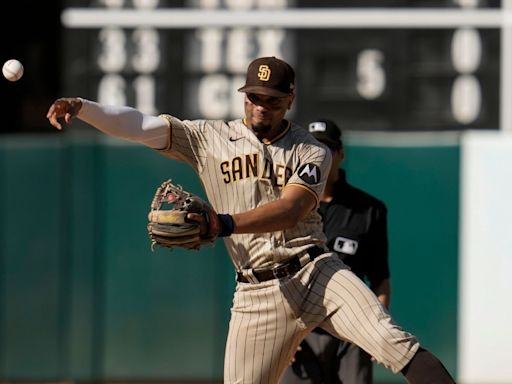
435,79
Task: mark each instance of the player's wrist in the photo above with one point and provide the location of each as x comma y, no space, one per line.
227,224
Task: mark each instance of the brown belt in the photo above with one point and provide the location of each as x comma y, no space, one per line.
288,268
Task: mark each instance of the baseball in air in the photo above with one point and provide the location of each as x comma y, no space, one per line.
12,70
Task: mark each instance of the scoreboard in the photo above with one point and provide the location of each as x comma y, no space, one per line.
152,55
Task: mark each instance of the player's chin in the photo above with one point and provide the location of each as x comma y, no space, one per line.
260,121
261,128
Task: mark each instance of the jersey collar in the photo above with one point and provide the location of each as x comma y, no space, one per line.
285,128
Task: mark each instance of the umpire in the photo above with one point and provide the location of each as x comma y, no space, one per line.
355,224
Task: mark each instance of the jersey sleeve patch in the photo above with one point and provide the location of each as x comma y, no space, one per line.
310,173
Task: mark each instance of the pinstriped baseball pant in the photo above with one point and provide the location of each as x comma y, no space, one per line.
269,320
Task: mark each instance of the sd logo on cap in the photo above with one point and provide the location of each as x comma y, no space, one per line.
269,76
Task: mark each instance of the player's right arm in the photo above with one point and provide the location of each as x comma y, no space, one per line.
123,122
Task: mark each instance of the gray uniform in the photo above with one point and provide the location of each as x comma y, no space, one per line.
270,318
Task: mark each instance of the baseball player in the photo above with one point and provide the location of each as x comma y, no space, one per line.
355,224
264,174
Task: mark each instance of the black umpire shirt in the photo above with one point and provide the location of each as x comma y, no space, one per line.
355,224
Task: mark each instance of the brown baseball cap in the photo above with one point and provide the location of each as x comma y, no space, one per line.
327,132
269,76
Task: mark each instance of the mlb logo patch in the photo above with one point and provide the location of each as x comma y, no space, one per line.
346,246
317,126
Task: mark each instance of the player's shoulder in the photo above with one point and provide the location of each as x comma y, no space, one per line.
207,124
302,136
223,124
299,131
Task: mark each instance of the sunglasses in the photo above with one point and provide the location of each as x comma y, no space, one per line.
269,102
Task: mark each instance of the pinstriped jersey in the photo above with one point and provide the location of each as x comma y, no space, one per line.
239,173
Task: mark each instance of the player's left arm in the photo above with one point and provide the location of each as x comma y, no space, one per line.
295,203
298,198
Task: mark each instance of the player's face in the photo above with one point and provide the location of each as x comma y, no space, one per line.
265,113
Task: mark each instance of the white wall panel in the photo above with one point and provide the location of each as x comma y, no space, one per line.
485,313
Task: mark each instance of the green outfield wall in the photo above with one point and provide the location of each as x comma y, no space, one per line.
83,297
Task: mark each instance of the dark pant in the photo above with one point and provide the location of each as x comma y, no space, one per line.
327,360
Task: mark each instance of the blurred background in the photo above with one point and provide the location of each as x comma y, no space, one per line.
422,90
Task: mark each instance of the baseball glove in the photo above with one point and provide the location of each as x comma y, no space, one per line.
169,222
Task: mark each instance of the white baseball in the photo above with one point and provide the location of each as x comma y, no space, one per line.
12,70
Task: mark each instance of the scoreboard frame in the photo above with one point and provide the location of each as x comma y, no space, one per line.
495,21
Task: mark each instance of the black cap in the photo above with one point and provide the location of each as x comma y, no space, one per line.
269,76
327,132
